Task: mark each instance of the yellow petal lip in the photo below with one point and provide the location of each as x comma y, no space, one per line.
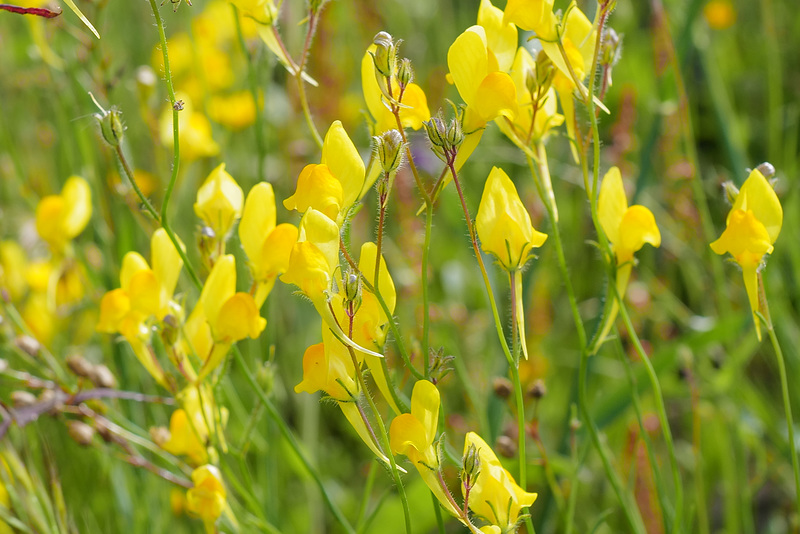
496,96
219,201
468,62
758,196
317,188
344,162
745,237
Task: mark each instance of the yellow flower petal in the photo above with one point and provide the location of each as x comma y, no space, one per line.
78,199
317,188
758,196
468,62
113,307
344,162
496,96
258,220
132,263
219,287
167,264
612,204
219,201
501,36
532,15
238,318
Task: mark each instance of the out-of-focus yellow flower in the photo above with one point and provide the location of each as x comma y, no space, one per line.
39,315
267,246
230,316
145,292
262,11
752,227
627,229
146,181
720,14
532,15
334,185
328,367
219,201
235,111
207,499
13,268
60,218
195,132
495,496
413,435
191,425
504,225
383,119
215,25
505,230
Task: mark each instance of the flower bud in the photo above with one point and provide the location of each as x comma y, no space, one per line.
766,169
502,387
455,134
28,345
170,329
80,432
102,377
538,389
389,146
20,398
352,290
79,365
731,191
384,55
405,73
471,463
506,446
437,131
610,47
265,376
544,73
111,126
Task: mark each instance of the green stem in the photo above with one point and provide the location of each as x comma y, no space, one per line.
176,158
287,434
787,406
129,174
660,410
301,86
426,320
252,77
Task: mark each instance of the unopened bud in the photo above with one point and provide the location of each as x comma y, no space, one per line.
506,447
384,55
265,376
389,146
80,432
611,48
471,463
538,389
111,126
455,134
405,73
437,131
170,330
102,377
160,435
440,364
544,73
502,387
731,191
766,169
80,366
352,290
21,398
29,345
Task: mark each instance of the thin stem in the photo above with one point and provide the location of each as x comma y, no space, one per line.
176,157
426,197
287,434
426,320
252,77
787,406
474,238
313,17
523,456
129,174
384,437
660,410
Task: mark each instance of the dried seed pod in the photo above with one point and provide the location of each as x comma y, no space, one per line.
80,432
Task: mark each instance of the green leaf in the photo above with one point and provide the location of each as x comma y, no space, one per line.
81,16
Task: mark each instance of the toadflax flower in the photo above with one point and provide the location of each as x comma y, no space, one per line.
505,229
60,218
752,227
627,229
207,499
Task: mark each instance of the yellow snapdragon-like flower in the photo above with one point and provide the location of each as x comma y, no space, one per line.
413,435
328,367
627,229
236,111
191,425
532,15
219,201
752,227
221,317
145,293
207,499
267,246
505,230
335,184
416,103
60,218
13,269
495,496
504,225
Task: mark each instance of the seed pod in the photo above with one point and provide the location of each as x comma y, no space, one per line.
506,447
80,366
21,398
405,73
80,432
502,387
538,389
102,377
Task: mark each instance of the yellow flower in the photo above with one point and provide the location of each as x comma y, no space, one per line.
334,185
532,15
206,499
414,98
229,316
752,227
191,425
195,132
495,496
13,268
60,218
413,435
235,112
267,246
720,14
145,292
627,229
262,11
219,201
504,225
